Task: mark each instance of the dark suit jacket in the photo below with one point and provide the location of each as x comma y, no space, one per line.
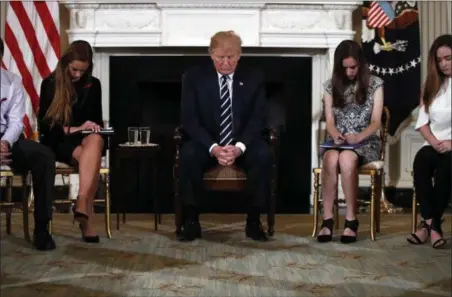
201,105
88,107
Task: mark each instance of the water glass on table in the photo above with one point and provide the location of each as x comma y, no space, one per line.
145,135
133,136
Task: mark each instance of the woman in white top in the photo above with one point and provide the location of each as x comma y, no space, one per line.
432,164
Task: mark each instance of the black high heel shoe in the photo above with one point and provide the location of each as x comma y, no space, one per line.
352,225
79,216
329,223
436,226
89,239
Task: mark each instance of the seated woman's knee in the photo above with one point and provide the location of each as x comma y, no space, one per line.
94,139
348,161
330,160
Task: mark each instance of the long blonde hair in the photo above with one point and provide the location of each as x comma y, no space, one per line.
60,109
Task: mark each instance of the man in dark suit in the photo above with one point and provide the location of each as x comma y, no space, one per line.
224,115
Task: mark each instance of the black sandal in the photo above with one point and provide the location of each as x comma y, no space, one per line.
436,226
329,223
414,239
352,225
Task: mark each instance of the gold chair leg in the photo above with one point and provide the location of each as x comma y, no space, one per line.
336,214
372,207
25,209
316,204
9,195
107,206
379,191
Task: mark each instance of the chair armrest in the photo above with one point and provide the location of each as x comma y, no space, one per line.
270,133
272,136
179,135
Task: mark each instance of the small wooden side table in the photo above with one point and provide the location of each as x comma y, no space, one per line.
140,153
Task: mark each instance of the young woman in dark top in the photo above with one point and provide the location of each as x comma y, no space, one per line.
70,102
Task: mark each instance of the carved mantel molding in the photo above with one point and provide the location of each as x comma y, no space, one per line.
299,24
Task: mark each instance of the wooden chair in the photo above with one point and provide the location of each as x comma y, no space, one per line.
376,172
222,178
7,176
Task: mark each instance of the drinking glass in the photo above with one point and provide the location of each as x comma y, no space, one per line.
145,135
133,135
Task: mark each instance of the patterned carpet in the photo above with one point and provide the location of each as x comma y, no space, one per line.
140,262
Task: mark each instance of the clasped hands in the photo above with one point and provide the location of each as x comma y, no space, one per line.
350,138
5,153
226,155
442,146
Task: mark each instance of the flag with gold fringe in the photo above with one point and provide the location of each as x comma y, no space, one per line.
391,42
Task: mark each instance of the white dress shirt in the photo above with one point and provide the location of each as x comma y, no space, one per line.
439,114
240,145
12,106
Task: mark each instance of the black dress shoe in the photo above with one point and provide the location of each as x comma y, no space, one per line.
43,241
255,231
190,231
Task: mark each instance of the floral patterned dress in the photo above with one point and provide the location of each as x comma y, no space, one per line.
354,118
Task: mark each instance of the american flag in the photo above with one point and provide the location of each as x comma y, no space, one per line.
32,49
380,14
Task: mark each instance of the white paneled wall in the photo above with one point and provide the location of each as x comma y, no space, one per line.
435,20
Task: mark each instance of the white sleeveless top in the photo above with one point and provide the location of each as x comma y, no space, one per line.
439,115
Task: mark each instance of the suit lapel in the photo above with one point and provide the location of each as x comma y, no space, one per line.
214,98
237,89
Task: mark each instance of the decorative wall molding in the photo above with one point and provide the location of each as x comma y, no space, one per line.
298,24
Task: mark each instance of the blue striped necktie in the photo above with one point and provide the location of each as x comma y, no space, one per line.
226,112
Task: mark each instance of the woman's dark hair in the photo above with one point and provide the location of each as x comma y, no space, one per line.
435,78
84,43
60,108
349,49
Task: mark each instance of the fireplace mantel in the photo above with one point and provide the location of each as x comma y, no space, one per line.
299,24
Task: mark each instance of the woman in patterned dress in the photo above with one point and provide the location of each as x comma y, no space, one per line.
353,102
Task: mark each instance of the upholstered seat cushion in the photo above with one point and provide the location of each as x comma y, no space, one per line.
61,165
373,165
225,173
5,168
